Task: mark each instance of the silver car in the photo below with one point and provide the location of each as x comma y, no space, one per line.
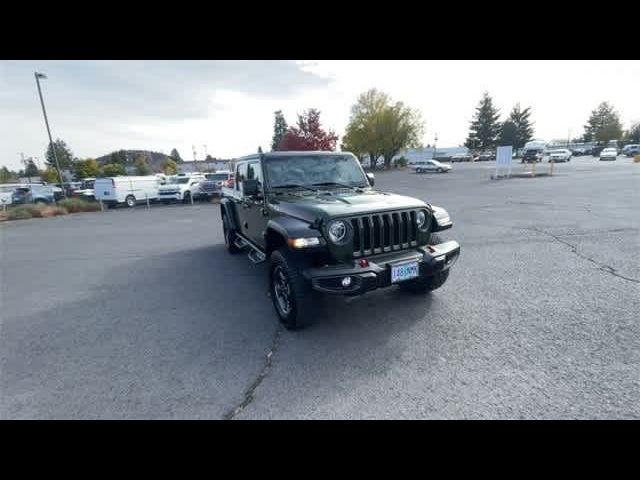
431,166
609,154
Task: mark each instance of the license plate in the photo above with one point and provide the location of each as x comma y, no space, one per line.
405,271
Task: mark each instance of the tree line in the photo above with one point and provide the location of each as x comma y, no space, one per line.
378,128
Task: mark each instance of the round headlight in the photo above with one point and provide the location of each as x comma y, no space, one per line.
421,218
337,231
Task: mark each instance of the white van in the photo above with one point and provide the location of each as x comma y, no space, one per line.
126,190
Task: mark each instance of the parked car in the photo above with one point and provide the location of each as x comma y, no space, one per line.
181,188
462,157
323,227
69,188
212,185
610,153
34,193
560,155
430,166
486,157
6,192
532,155
86,189
114,191
595,151
631,150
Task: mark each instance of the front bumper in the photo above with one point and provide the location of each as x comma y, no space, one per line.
378,273
169,196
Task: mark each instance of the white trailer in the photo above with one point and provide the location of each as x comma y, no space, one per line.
126,190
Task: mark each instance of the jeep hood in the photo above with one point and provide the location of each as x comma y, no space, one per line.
310,207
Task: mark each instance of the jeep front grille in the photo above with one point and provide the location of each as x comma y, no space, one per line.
384,232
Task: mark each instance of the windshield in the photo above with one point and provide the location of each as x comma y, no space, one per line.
175,181
310,170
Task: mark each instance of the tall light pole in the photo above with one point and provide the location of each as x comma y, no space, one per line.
435,149
46,121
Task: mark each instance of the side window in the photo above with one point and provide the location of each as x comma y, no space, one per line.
241,175
254,172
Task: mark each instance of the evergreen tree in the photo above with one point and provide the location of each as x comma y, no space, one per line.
280,128
603,124
485,127
65,157
523,124
31,170
175,156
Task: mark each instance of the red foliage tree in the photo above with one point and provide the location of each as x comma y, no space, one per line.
308,135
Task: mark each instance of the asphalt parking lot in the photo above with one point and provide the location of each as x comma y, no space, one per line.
142,313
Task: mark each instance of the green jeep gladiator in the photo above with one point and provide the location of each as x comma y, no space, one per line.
318,219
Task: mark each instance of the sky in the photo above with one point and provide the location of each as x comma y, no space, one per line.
97,107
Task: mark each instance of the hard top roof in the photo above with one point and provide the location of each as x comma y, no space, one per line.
292,153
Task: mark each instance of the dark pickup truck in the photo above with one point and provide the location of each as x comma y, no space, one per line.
324,228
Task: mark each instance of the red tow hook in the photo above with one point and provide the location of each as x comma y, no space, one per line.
431,249
364,263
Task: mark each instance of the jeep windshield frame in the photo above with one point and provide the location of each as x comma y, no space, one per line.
331,170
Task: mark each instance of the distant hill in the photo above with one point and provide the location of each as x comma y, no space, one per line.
154,159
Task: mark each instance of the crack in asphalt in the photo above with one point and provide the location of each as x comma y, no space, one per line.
602,267
248,395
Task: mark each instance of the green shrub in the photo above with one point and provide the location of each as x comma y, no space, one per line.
75,205
401,162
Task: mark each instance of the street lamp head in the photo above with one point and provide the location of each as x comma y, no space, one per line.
40,75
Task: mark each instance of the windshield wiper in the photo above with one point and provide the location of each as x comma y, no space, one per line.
326,184
295,185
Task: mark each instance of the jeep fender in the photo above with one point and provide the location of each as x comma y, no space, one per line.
286,228
227,211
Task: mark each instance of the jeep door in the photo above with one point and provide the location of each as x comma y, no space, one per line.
255,216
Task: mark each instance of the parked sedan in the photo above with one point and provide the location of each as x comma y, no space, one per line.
560,155
462,157
631,150
431,166
486,157
34,194
609,154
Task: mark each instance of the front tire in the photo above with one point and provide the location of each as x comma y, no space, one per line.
290,292
426,284
229,237
186,198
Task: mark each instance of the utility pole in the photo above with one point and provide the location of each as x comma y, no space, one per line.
193,149
207,167
46,121
435,149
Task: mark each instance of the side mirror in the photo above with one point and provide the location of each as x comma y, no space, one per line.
371,178
250,188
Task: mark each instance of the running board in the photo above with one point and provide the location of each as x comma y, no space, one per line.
256,257
240,242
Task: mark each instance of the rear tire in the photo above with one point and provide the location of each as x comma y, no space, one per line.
130,201
426,284
290,292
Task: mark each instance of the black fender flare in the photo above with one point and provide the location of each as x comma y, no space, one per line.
289,227
227,212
